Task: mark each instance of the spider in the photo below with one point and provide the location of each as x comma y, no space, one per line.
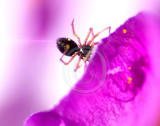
69,47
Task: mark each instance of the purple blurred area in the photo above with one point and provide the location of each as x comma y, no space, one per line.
29,61
42,17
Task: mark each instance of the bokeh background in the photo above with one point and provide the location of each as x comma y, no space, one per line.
32,78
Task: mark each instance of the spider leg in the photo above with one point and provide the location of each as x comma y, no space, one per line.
74,33
94,44
92,33
66,63
77,66
85,66
98,34
90,30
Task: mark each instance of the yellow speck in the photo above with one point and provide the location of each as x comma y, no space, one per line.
69,39
129,68
84,58
129,80
67,46
124,31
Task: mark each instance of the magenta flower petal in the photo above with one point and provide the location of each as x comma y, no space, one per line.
113,90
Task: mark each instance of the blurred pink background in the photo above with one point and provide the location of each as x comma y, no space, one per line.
32,78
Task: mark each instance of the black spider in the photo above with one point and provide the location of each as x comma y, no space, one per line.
69,48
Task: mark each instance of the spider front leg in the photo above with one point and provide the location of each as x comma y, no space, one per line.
98,34
90,30
94,44
74,33
77,66
66,63
85,66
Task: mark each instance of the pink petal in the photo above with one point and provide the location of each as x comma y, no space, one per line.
117,89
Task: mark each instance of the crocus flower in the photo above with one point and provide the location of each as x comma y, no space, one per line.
120,86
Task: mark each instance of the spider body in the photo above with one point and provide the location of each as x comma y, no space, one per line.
64,43
70,48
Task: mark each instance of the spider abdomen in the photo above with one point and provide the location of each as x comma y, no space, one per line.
63,43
